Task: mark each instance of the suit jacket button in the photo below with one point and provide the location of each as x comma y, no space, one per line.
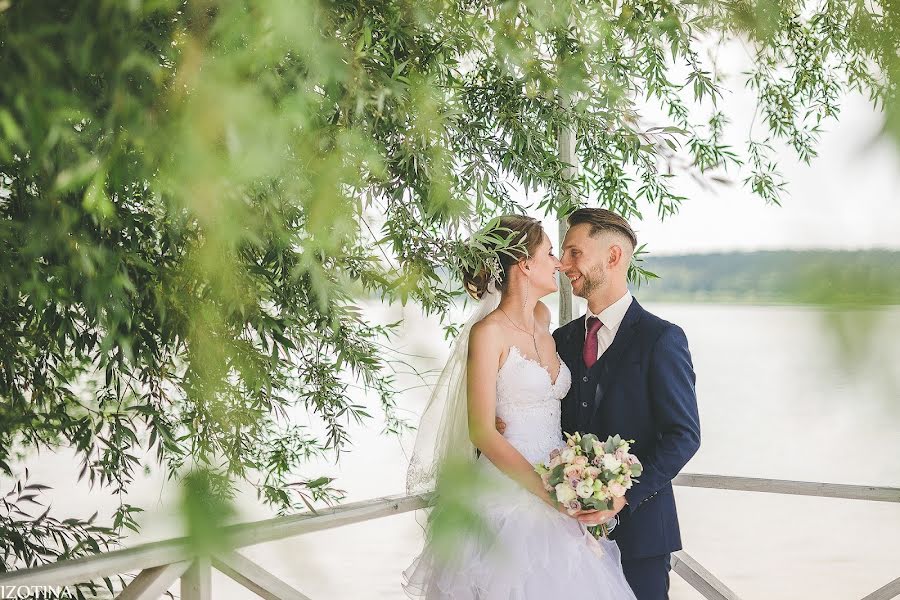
584,404
585,379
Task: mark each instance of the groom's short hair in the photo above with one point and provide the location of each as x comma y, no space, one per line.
602,220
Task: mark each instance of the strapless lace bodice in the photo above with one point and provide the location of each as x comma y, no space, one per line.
528,401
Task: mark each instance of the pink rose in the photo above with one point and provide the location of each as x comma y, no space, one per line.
554,453
592,472
573,506
581,461
621,454
597,460
617,489
573,471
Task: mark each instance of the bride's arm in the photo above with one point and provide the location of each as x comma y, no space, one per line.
482,368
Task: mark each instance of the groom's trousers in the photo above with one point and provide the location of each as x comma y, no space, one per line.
649,577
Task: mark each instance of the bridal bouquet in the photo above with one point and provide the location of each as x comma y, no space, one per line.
587,474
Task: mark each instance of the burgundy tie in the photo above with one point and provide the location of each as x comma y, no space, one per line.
590,342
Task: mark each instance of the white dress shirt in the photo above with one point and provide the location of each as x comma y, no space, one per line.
611,317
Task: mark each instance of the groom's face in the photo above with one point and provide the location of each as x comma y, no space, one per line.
583,261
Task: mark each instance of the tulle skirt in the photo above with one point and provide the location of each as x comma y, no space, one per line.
530,552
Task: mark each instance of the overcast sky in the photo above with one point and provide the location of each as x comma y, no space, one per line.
847,197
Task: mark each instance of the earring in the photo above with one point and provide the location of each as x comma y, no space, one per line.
527,287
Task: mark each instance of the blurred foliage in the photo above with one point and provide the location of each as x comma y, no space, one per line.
194,194
454,519
206,506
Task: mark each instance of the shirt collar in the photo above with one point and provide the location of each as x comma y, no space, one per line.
613,314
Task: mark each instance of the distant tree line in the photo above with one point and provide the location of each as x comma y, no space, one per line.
827,277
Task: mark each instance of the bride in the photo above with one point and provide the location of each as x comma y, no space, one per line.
504,364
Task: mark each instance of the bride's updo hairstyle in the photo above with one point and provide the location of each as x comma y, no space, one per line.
523,234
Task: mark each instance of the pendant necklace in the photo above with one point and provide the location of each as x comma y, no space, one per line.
533,338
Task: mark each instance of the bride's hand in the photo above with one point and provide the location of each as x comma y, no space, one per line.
595,517
578,515
500,425
599,517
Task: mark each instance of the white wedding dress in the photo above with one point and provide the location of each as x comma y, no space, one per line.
533,552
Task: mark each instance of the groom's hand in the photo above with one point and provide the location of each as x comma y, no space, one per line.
501,426
598,517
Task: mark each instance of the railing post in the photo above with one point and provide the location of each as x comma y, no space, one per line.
152,583
699,578
255,578
891,590
196,583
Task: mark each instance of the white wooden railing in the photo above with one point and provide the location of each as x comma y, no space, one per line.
162,563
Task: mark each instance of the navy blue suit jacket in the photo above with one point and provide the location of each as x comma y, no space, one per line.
641,388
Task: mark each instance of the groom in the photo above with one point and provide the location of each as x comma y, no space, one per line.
631,375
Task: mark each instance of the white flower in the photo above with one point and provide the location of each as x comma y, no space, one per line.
565,493
567,455
611,463
585,489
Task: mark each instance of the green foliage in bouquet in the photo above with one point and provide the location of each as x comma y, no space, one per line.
589,472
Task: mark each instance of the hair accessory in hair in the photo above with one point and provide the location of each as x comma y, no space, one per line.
496,269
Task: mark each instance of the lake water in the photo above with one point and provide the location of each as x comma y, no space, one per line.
784,392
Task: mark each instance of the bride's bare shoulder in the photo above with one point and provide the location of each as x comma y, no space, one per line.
486,329
542,314
487,336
